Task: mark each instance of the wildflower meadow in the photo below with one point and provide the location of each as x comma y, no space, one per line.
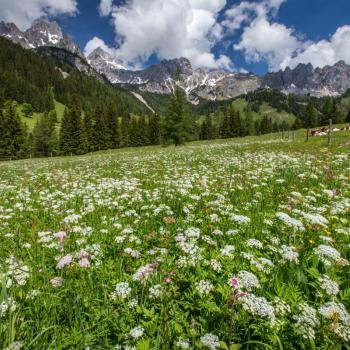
239,244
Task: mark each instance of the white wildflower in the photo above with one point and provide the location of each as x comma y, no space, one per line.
210,341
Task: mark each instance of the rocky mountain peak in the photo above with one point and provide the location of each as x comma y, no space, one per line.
41,33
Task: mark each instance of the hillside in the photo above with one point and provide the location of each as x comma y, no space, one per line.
23,79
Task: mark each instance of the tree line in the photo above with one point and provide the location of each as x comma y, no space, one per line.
84,130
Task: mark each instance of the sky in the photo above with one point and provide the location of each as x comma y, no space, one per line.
250,35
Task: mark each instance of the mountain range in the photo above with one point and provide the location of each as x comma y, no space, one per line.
214,85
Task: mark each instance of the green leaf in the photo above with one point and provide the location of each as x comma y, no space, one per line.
223,345
235,347
143,344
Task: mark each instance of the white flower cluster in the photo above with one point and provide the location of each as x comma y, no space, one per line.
262,264
327,254
17,272
215,265
246,280
259,306
306,321
137,332
227,251
204,287
143,273
16,345
329,286
340,318
254,243
56,282
281,307
240,219
122,291
183,343
6,306
288,254
290,222
315,219
211,341
155,291
133,253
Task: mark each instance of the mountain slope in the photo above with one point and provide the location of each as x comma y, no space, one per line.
24,80
216,85
41,33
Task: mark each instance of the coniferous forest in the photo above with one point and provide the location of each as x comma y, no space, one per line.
99,116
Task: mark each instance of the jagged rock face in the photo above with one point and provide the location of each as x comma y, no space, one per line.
106,64
11,32
160,78
197,83
306,80
62,55
41,33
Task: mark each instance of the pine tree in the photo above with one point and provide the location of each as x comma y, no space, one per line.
326,111
49,101
27,110
89,132
249,125
45,137
235,123
310,116
336,113
298,124
154,129
224,129
347,119
12,132
203,134
125,131
175,122
265,125
72,129
101,136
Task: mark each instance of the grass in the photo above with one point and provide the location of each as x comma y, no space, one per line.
175,248
30,122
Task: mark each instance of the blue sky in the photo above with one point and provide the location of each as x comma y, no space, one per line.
251,35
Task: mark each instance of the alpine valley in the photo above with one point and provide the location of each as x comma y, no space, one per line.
215,85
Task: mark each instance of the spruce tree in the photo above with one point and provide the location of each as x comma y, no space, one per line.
235,123
249,125
49,102
45,137
326,111
265,125
336,113
27,110
347,119
154,129
125,131
175,121
224,129
310,116
12,132
71,135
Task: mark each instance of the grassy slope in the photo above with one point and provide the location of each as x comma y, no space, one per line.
30,122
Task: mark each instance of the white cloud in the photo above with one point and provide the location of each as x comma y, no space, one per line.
24,12
169,29
96,42
246,11
263,40
324,52
105,7
269,42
